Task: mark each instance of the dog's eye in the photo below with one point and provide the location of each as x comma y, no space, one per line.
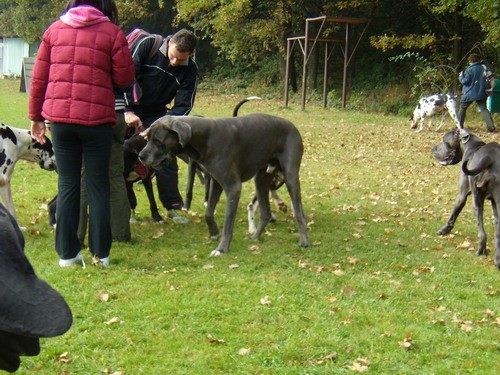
157,142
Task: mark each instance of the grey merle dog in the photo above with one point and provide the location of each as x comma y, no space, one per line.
233,150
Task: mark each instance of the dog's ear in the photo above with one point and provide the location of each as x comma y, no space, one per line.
183,131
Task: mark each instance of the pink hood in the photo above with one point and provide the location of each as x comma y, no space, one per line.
83,16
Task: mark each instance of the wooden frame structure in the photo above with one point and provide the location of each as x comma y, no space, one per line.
306,51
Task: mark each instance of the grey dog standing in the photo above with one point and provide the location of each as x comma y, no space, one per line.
233,150
480,175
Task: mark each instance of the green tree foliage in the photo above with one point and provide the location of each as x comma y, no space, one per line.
28,19
245,30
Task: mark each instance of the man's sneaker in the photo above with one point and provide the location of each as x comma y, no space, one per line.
76,261
104,262
178,219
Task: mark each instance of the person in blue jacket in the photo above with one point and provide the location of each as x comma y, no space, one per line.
475,80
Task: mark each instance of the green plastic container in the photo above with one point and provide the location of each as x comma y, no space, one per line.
493,102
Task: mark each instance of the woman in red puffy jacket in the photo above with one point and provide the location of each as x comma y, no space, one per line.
83,55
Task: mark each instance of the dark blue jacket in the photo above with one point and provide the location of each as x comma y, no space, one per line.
158,83
474,83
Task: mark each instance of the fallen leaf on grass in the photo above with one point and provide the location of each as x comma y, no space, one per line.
244,351
158,234
254,249
173,270
208,266
467,326
359,365
108,371
103,296
266,301
352,260
465,245
233,266
63,357
318,361
113,320
338,273
440,309
213,340
407,343
488,314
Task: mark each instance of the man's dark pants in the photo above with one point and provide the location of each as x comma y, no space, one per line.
481,104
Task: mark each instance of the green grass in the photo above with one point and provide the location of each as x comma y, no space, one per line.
376,275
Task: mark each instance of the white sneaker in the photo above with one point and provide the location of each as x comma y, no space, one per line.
104,262
178,219
76,261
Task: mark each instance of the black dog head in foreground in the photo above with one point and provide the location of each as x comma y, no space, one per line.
29,307
449,152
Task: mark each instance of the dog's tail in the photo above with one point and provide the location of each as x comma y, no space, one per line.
483,165
237,108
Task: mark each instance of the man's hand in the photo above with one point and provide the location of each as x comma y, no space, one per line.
38,131
133,121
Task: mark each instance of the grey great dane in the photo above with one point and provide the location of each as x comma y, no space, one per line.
480,175
233,150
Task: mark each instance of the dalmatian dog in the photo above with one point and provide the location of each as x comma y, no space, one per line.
16,144
429,106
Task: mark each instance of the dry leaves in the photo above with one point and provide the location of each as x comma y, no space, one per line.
359,365
266,301
212,340
244,351
159,233
113,320
407,343
318,361
108,371
63,358
103,296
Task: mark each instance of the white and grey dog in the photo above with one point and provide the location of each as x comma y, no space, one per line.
429,106
16,144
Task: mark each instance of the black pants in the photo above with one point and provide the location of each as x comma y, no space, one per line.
120,207
92,144
481,104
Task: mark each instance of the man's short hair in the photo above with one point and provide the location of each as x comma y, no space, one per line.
474,57
184,40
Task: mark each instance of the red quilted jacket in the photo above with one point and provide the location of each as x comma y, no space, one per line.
81,58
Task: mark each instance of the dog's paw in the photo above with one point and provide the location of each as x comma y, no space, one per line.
482,251
444,230
216,253
305,243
